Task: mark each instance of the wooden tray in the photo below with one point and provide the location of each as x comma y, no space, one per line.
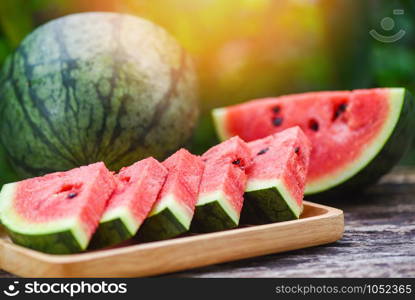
318,225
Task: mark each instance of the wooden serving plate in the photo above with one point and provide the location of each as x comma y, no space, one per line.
318,225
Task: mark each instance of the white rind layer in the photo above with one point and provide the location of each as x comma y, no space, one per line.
124,214
14,222
219,116
182,213
396,99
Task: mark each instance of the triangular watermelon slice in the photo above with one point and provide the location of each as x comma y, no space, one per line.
222,187
173,211
357,136
277,177
57,213
137,189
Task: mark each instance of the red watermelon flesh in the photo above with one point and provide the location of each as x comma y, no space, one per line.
173,211
344,127
138,187
233,151
183,180
222,187
225,170
280,164
72,201
229,179
79,192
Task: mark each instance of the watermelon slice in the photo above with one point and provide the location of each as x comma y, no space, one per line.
277,177
59,212
174,208
137,189
357,136
222,187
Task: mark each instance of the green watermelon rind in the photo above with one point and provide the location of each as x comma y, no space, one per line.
75,103
116,226
169,218
395,145
110,233
264,207
211,217
56,237
272,200
397,99
214,212
386,150
62,242
124,214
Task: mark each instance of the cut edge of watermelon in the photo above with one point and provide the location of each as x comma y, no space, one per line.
396,99
223,201
219,116
177,209
123,214
13,222
257,184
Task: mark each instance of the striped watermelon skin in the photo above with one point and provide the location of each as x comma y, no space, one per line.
95,87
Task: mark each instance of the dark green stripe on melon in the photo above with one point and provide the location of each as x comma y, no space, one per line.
76,91
211,217
62,242
110,233
265,206
160,226
392,152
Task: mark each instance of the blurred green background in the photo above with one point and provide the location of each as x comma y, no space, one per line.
246,49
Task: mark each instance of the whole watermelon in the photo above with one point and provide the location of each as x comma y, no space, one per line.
95,86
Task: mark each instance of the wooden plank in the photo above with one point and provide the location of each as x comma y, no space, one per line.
379,240
319,225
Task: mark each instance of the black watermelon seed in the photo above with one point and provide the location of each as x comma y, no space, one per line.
340,109
336,114
236,162
343,107
263,151
313,124
276,109
72,195
297,150
277,121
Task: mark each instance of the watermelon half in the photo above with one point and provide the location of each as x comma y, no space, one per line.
137,189
277,177
173,211
222,187
59,212
357,136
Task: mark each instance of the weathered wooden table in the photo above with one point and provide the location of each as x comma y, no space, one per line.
379,240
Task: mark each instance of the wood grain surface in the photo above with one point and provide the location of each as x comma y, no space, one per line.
318,225
379,240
